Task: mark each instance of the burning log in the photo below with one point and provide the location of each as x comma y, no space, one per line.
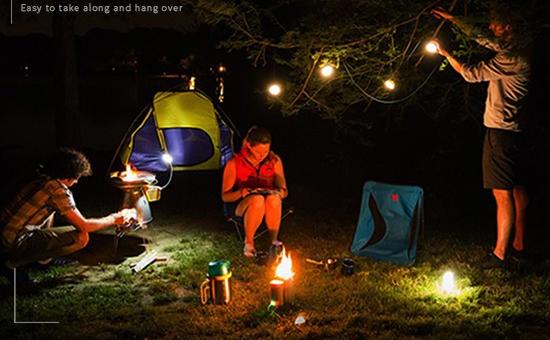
282,286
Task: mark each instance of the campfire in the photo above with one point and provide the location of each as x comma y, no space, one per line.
282,286
139,190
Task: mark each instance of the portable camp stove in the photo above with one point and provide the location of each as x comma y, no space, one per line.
135,185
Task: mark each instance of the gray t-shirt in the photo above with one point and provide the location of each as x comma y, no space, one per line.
508,74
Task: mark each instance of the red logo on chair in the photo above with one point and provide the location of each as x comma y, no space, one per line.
394,197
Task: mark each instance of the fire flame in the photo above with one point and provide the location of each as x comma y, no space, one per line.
129,174
284,268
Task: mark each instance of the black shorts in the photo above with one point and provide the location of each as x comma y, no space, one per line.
505,157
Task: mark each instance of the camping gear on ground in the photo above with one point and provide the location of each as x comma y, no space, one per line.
348,267
389,222
135,184
217,286
282,286
328,264
185,125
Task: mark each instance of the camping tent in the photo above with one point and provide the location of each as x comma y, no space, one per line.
185,125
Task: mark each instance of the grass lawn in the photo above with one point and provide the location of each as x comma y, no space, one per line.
100,297
107,300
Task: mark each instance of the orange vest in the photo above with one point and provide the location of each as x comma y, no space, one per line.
249,176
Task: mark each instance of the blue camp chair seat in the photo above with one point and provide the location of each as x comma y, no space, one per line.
238,222
389,222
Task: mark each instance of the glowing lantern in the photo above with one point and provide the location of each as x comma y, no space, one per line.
448,284
327,71
389,84
431,47
167,158
274,89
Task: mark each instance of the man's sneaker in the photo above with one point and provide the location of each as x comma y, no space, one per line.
517,255
491,261
249,250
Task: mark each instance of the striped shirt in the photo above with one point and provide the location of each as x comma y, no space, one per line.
508,74
33,206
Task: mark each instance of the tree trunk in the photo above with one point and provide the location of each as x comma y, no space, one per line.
67,115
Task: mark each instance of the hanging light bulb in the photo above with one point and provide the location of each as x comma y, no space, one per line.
167,158
431,47
221,69
274,89
327,70
389,84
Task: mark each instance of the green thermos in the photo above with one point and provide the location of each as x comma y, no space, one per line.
217,285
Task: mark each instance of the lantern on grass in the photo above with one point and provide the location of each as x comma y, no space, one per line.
447,285
282,286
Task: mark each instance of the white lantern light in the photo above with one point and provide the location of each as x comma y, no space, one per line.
448,283
167,158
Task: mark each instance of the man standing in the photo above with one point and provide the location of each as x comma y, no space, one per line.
505,143
26,223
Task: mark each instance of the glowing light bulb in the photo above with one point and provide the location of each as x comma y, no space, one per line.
431,47
448,283
327,71
274,89
167,158
389,84
221,69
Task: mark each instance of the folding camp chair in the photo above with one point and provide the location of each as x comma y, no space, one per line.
238,222
389,222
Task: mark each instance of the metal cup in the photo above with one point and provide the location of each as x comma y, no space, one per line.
348,267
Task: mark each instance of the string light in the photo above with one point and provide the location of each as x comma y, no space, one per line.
327,70
389,84
383,101
274,89
431,47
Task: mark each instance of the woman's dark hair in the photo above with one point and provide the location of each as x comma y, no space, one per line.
258,135
67,163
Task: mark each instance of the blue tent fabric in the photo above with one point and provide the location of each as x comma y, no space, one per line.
389,222
188,146
147,153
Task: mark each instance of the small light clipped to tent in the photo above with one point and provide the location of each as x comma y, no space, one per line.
389,84
447,285
274,89
167,158
431,47
327,70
